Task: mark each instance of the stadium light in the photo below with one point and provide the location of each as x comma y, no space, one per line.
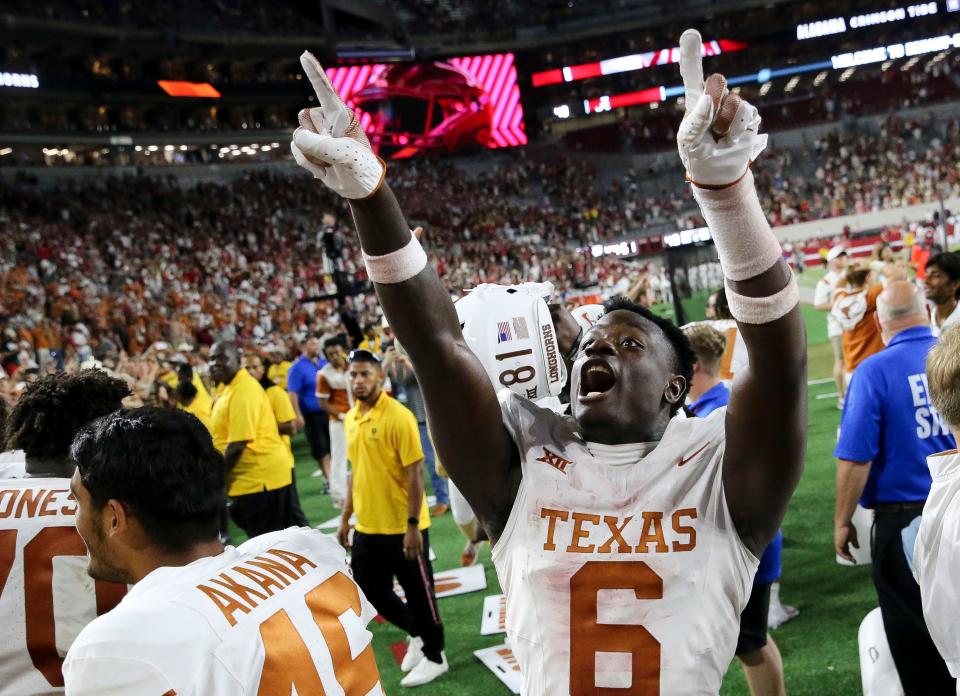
24,80
180,88
6,151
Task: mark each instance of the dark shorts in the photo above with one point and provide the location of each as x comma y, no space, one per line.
317,429
753,620
266,511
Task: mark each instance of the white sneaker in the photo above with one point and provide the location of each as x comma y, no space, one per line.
779,614
317,474
414,654
426,671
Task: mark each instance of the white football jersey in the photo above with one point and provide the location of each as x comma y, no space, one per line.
46,596
13,464
280,614
734,358
621,564
936,557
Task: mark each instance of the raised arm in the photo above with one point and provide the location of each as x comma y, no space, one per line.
766,417
461,404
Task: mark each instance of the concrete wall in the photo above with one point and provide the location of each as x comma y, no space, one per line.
830,227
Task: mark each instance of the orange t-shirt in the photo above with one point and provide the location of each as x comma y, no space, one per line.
918,259
863,340
332,384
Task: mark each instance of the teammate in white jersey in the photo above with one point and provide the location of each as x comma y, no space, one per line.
734,357
936,553
625,536
46,596
278,615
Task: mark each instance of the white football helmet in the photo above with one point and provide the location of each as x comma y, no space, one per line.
510,330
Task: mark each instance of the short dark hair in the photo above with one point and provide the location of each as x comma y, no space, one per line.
184,372
334,341
52,409
684,357
162,464
186,391
361,355
949,263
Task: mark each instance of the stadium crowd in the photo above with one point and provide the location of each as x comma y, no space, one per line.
142,260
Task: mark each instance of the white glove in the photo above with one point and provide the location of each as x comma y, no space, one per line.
330,142
719,136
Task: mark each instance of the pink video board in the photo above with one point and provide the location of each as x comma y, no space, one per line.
445,106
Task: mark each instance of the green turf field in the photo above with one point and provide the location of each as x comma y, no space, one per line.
819,647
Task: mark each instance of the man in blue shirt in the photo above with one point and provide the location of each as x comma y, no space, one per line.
889,426
758,653
302,388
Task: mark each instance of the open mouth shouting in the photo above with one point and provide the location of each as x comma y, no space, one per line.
596,380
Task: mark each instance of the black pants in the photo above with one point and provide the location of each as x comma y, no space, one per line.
377,559
297,514
753,620
921,669
266,511
316,427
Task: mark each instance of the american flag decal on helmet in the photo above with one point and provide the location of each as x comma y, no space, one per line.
503,332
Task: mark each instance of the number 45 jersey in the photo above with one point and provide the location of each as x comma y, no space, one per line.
280,614
46,596
621,564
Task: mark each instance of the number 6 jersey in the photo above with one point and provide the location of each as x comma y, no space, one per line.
279,614
621,564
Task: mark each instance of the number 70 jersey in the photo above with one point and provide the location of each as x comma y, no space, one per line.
621,565
46,595
278,615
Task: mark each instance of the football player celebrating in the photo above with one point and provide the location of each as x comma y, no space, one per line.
279,614
46,597
625,536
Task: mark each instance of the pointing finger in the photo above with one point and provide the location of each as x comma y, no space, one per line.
691,66
326,94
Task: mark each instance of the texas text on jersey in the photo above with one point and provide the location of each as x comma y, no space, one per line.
621,560
280,612
46,596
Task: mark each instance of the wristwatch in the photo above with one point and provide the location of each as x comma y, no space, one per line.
413,520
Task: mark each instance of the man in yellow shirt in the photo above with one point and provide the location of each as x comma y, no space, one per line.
391,537
279,366
188,399
183,372
199,404
286,421
259,479
371,341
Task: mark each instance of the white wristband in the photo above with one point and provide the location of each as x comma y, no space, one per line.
763,310
745,244
397,266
